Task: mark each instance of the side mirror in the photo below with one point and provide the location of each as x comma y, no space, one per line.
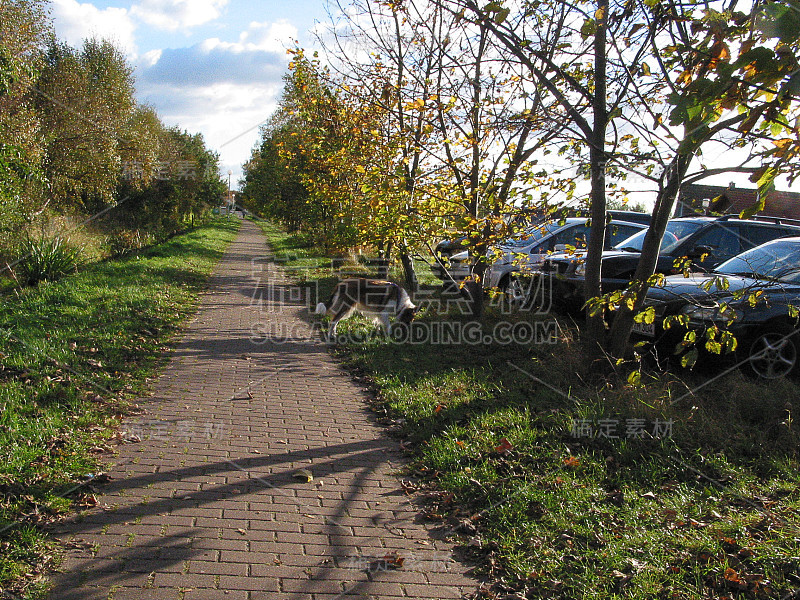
699,251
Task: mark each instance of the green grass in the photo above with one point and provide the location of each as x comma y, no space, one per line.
74,354
710,511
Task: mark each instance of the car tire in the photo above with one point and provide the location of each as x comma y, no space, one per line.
515,293
774,353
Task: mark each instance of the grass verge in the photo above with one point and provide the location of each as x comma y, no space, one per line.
74,355
563,486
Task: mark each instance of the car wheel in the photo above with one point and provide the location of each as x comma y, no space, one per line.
774,353
515,293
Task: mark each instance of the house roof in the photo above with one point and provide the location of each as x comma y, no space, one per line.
735,200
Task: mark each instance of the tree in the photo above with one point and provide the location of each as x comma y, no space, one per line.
85,99
751,98
555,41
23,31
709,96
271,185
456,115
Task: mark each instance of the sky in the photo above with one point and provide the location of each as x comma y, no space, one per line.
214,67
207,66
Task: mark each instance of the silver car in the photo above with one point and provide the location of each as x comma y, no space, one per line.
527,251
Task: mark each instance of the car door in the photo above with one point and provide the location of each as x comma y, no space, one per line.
575,236
716,244
757,234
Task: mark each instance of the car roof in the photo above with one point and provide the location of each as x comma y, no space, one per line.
574,220
757,220
794,239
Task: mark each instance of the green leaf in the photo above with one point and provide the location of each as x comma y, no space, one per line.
646,316
588,28
689,359
501,15
729,341
780,20
792,85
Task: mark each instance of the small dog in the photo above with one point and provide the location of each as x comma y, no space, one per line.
374,297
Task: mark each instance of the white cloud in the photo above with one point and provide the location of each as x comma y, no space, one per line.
173,15
228,114
270,37
210,62
151,57
224,89
75,21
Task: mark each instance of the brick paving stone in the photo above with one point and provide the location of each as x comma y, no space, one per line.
206,506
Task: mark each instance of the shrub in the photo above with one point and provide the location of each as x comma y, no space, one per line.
46,259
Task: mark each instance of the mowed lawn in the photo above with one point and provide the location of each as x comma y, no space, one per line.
75,353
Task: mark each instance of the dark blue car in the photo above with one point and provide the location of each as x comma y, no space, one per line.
751,296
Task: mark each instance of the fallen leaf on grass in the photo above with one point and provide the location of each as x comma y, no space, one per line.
504,446
88,500
466,526
572,461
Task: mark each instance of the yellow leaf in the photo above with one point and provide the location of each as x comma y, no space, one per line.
304,475
685,78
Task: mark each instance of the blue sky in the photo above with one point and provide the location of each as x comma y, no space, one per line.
209,66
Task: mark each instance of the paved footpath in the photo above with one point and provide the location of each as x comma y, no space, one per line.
211,504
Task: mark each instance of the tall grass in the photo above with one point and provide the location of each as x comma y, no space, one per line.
46,259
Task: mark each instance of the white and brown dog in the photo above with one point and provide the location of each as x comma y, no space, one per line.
371,297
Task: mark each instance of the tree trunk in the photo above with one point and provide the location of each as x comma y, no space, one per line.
597,158
472,289
665,203
410,272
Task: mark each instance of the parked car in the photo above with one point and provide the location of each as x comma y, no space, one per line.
706,241
525,251
458,264
752,296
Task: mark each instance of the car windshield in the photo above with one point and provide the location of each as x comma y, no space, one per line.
532,235
676,232
779,260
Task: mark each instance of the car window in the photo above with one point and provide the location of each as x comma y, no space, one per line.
676,232
760,234
616,233
532,235
723,240
779,259
577,236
